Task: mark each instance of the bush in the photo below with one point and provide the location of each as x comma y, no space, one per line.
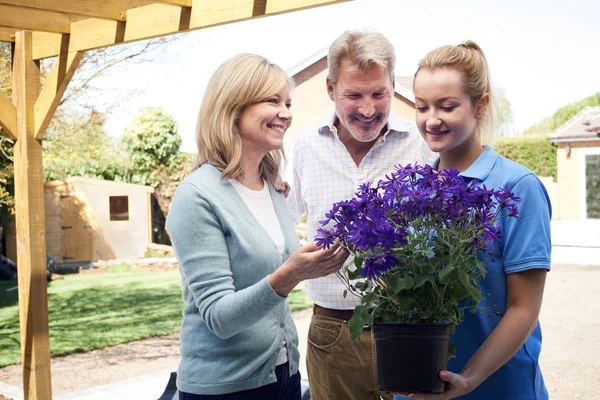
535,153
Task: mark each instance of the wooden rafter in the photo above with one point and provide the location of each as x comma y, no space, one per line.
7,34
144,19
54,87
8,116
89,8
34,20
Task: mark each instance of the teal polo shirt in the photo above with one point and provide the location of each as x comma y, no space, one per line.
524,244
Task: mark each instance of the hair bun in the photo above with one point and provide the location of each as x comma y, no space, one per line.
469,44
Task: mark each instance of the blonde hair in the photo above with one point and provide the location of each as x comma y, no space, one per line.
238,82
468,59
363,50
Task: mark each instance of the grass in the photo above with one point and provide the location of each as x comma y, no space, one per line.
97,310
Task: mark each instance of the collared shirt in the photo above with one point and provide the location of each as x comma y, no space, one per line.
321,172
524,244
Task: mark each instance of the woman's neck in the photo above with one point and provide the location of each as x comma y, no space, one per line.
251,179
459,159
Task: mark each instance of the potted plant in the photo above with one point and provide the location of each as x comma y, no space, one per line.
418,239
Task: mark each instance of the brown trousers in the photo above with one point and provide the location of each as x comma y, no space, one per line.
340,368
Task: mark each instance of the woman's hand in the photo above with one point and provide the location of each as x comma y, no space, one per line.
308,262
456,386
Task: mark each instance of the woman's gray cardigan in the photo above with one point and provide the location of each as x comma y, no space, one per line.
234,323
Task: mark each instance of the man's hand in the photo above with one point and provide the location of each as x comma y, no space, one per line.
282,187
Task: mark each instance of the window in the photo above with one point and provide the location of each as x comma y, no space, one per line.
119,208
592,185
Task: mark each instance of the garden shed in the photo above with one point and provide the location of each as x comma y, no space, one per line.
92,219
64,30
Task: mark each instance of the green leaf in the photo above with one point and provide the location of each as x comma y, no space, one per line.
398,283
405,302
451,350
358,261
421,279
360,318
448,275
345,293
459,292
464,281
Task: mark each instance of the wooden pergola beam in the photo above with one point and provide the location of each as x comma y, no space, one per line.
7,34
62,71
164,18
88,8
31,230
34,20
181,3
8,116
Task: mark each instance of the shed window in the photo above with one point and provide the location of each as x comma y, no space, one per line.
119,208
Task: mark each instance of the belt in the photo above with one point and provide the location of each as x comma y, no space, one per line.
344,315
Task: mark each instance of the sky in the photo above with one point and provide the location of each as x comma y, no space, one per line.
543,53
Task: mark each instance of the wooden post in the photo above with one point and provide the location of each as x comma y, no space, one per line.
31,234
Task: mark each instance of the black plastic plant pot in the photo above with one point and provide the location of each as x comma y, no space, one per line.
411,356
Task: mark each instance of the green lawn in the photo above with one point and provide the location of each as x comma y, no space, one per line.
97,310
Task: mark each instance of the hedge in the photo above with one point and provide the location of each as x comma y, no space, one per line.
535,153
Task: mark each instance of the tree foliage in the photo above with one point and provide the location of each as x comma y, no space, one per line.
6,145
152,142
504,114
74,115
561,116
77,145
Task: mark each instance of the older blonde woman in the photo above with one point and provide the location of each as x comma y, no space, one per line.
236,244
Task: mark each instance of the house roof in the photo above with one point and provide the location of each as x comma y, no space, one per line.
299,70
404,86
583,126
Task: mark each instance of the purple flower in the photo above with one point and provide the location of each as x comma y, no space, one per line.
420,212
324,238
378,264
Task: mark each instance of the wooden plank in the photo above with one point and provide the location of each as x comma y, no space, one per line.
76,238
8,116
31,236
281,6
213,12
139,3
113,9
152,20
55,86
35,20
46,44
148,21
7,34
93,33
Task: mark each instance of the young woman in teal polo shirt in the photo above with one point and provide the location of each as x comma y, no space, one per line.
497,355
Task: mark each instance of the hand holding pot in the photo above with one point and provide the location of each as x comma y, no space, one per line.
457,385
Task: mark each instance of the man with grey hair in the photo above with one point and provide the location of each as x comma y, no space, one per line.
359,141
